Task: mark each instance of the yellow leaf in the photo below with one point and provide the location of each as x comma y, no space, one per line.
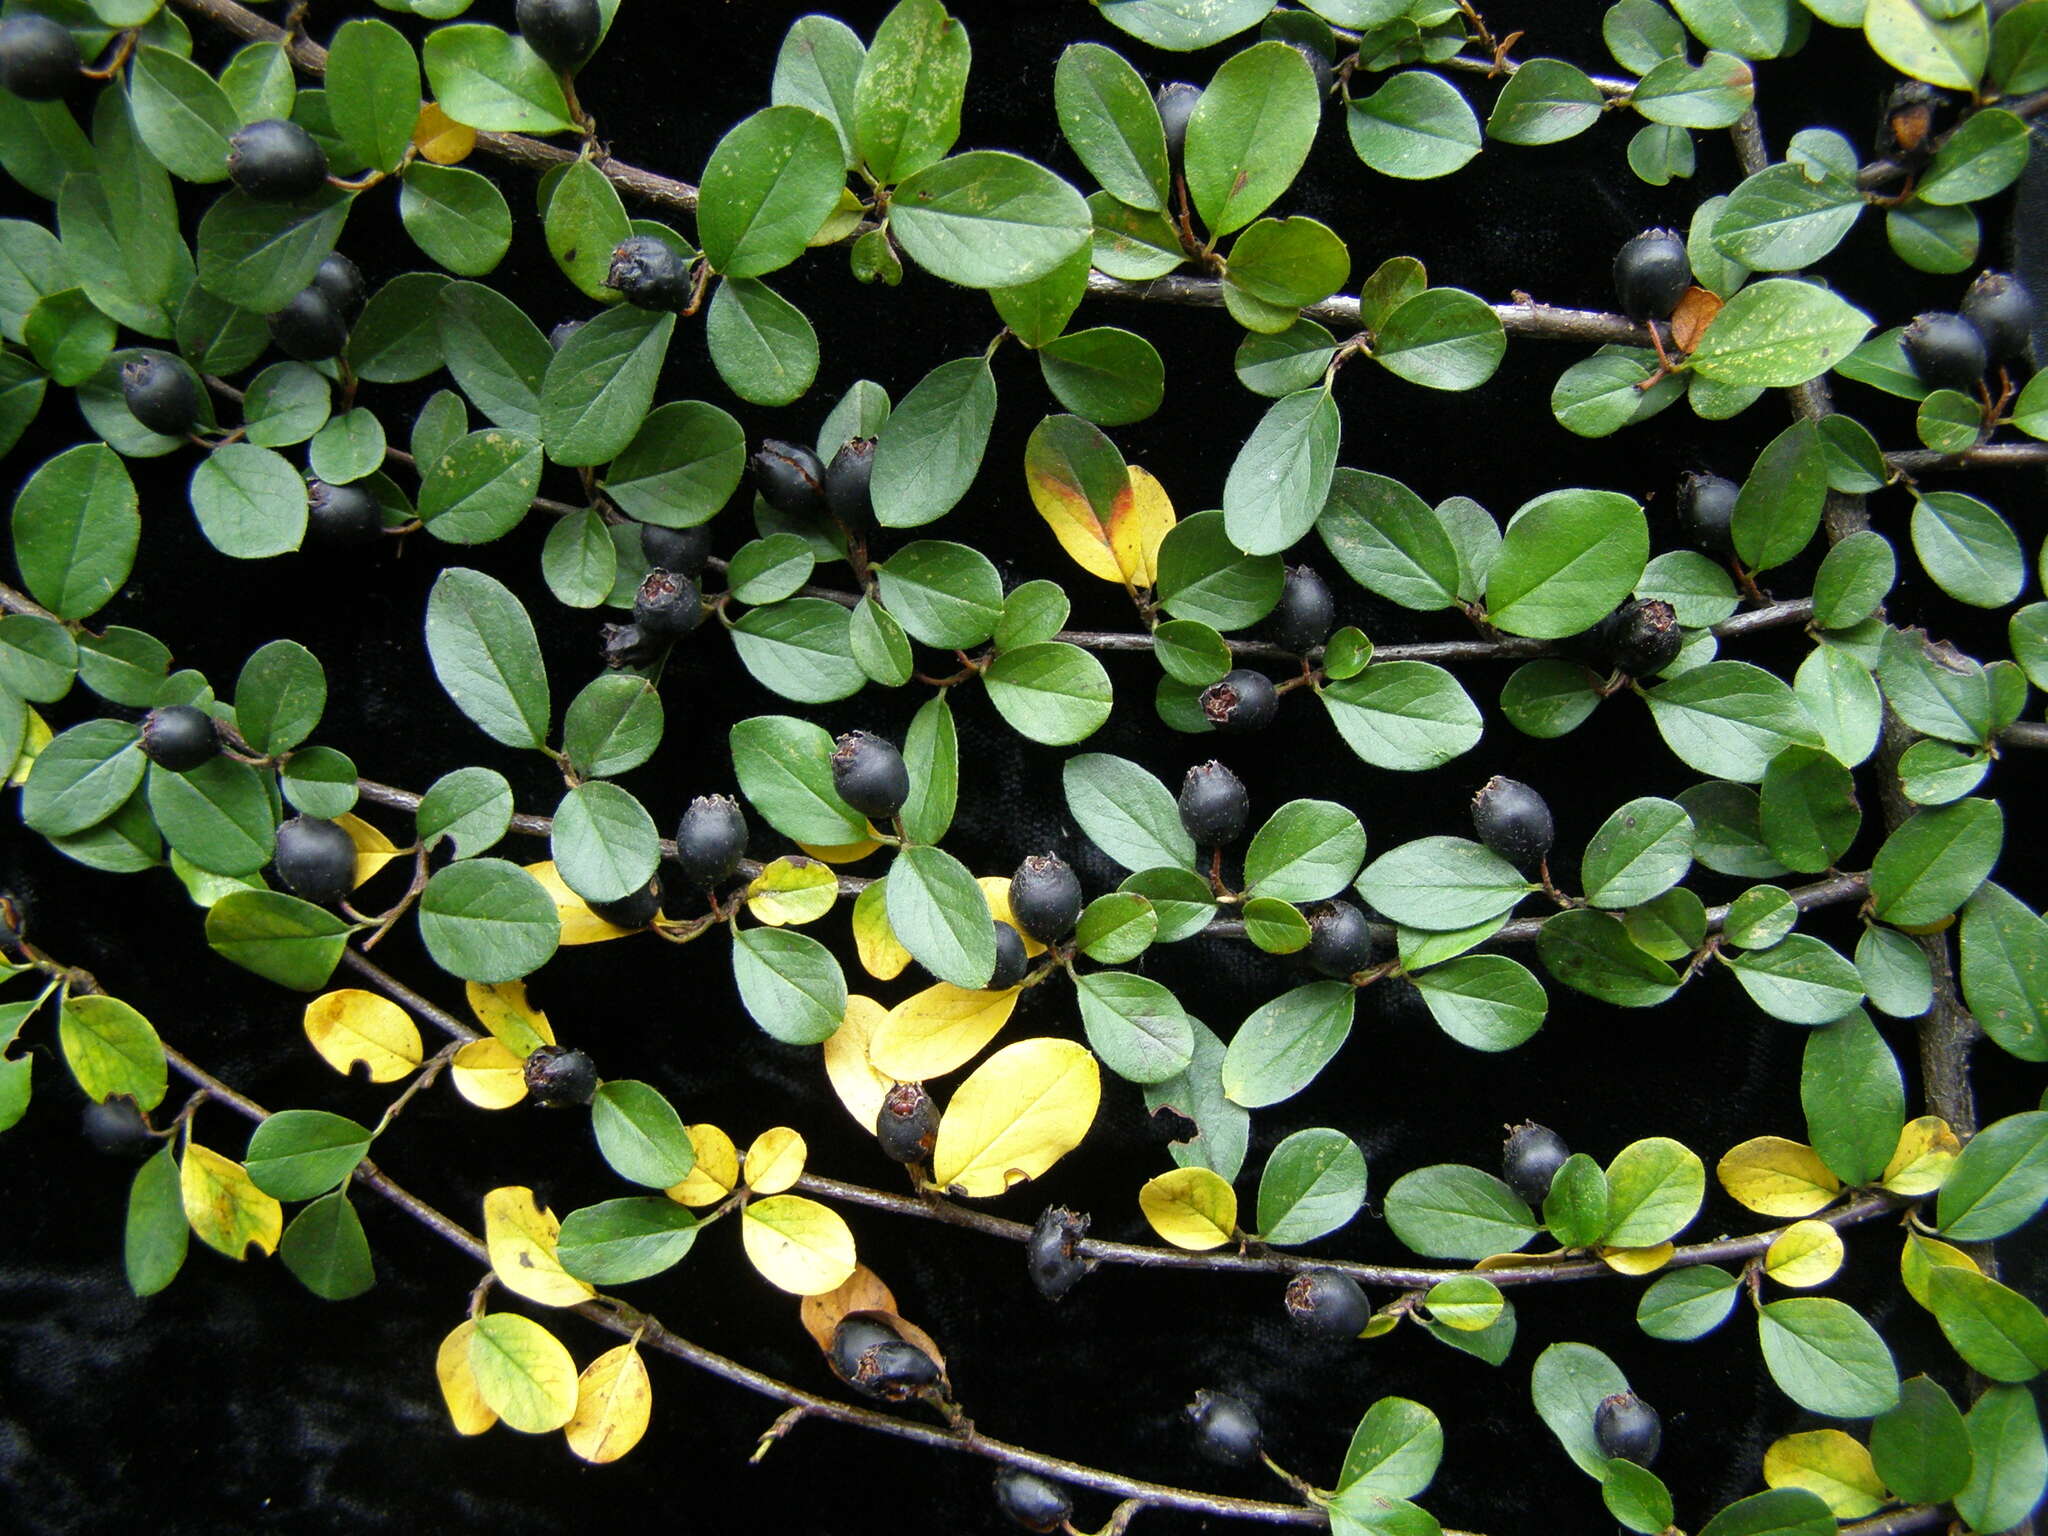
841,853
1066,509
792,891
373,849
520,1236
613,1401
1776,1177
1921,1257
466,1405
580,925
488,1075
1017,1114
775,1161
860,1087
522,1373
1382,1322
1804,1255
352,1025
882,954
505,1012
1142,519
1927,1150
34,738
1831,1464
1534,1260
997,889
1636,1261
717,1172
440,139
226,1209
798,1244
937,1030
1190,1208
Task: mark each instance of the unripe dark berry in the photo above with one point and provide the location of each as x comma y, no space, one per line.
1626,1426
275,161
1706,510
907,1123
1213,805
563,331
309,328
681,551
116,1128
635,910
1226,1430
1651,274
38,57
1515,822
1176,102
560,1077
1339,939
2003,311
1045,897
869,774
160,393
1529,1160
1243,700
342,281
1642,637
789,477
1012,963
627,645
316,858
1031,1501
667,606
873,1359
711,839
1909,118
847,480
1053,1253
562,32
1328,1302
1306,611
648,274
342,514
1319,66
180,737
1945,350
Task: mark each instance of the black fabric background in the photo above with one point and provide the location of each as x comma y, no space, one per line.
235,1401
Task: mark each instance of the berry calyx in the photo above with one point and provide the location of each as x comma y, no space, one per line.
342,514
1176,101
667,606
711,839
181,737
2004,313
1339,939
648,274
1626,1426
1529,1160
1945,350
1328,1302
907,1123
342,281
1012,963
1706,510
317,859
1652,273
276,161
1045,897
562,32
560,1077
847,484
1515,822
789,477
1052,1254
869,774
1213,805
160,393
115,1127
1306,611
38,57
1242,700
633,911
1642,637
1226,1430
1031,1501
309,328
679,551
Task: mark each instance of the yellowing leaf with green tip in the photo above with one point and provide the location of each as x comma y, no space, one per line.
881,953
861,1088
797,1244
1467,1303
1636,1261
933,1032
613,1401
1927,1150
1776,1177
225,1208
717,1171
1191,1208
775,1161
488,1074
440,139
1922,1256
522,1373
502,1009
996,888
1805,1254
111,1049
1017,1114
35,736
467,1409
520,1236
580,925
1120,544
373,849
351,1025
791,892
841,853
1834,1465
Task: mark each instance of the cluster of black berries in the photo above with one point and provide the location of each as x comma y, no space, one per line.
797,483
668,605
1954,351
314,325
711,841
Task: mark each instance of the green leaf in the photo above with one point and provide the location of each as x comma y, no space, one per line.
1286,361
939,915
1281,477
1544,102
1126,812
2009,1462
1249,134
1117,928
257,256
1921,1448
1224,1129
604,845
250,502
988,219
1687,1303
1568,1383
1443,338
1933,239
1416,126
770,183
945,595
1854,1098
1808,809
83,775
2005,971
1755,29
770,569
641,1135
325,1247
373,91
458,218
1395,1450
1778,333
1313,1184
1181,902
1135,1025
1826,1358
1779,1512
1131,243
69,337
1641,851
681,466
396,339
1636,1497
297,1154
802,649
612,726
579,561
1999,1182
181,115
1052,692
76,527
1403,715
493,82
763,347
480,488
1895,972
218,815
156,1236
598,386
1934,861
122,666
1599,395
471,805
1654,1189
1729,719
931,752
1441,883
320,782
1203,575
1781,501
1853,580
484,652
1275,927
1485,1002
497,355
488,920
1970,551
1593,953
1108,375
1800,980
1278,1051
1948,51
784,768
1184,25
1786,217
906,111
279,937
930,449
1714,95
1106,112
258,82
1548,698
111,1049
1998,1332
1307,851
1389,540
2019,52
790,984
1567,559
1454,1212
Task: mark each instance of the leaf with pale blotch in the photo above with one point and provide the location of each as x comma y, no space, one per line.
1830,1463
1776,1177
467,1409
580,925
775,1161
373,849
441,140
1191,1208
862,1291
502,1008
488,1074
1927,1150
351,1025
881,953
797,1244
226,1209
935,1031
997,889
1805,1254
1636,1261
613,1401
520,1236
1017,1114
717,1171
861,1088
1921,1257
522,1373
792,891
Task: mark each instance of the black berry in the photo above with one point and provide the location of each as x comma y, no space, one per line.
1011,961
342,514
116,1128
1319,65
868,773
563,331
309,328
1243,700
1045,897
316,858
1651,274
1302,620
38,57
1031,1501
1642,637
627,645
562,32
1945,350
667,606
342,281
1529,1160
636,910
872,1358
181,737
854,1337
711,840
1226,1430
907,1123
560,1077
160,393
681,551
275,161
847,480
2003,311
1706,510
1339,939
1514,821
1176,102
648,274
1213,805
1053,1254
1628,1427
789,477
1329,1302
